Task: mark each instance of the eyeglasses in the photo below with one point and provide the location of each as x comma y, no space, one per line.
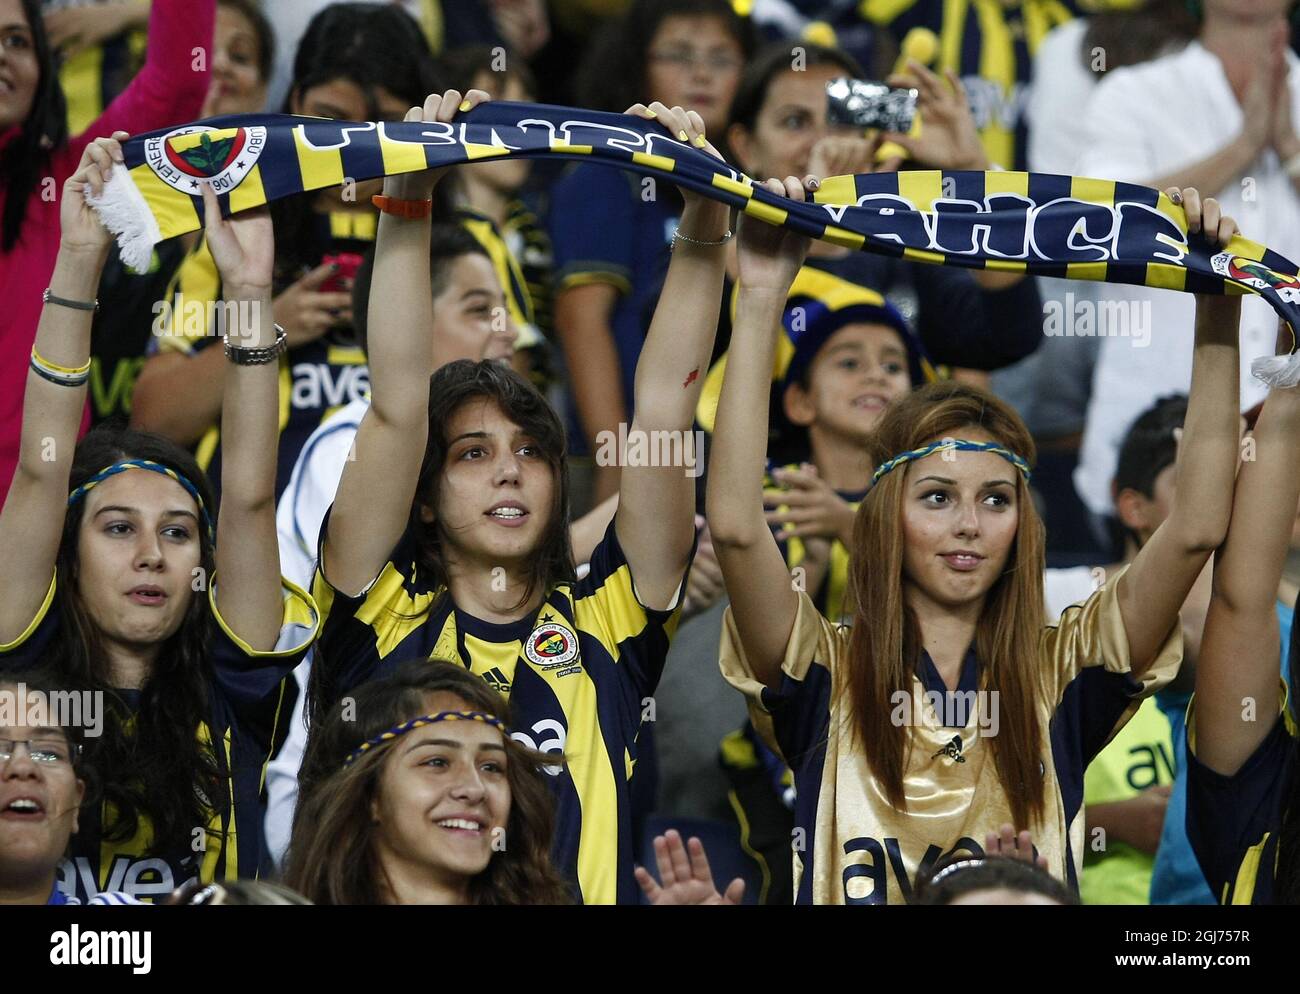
683,58
46,751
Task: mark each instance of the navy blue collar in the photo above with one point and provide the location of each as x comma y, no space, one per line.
932,681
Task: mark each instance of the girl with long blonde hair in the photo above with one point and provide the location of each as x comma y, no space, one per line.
948,709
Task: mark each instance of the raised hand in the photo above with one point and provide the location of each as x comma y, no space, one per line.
1205,219
702,217
242,246
440,108
306,312
80,227
73,29
948,138
770,256
1005,842
685,875
814,510
848,155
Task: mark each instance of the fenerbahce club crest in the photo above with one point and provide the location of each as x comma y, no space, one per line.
183,157
1257,275
552,646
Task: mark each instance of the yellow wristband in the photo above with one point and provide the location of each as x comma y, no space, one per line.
51,367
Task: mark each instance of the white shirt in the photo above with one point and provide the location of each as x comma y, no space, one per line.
1143,122
312,485
1072,585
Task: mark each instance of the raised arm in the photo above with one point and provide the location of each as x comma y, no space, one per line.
763,601
1237,671
1155,586
655,521
31,523
367,520
248,555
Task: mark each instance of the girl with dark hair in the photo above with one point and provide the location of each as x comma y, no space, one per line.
37,156
110,576
415,793
947,607
608,275
1243,789
464,551
44,784
357,62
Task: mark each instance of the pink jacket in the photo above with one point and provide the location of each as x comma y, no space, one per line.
168,90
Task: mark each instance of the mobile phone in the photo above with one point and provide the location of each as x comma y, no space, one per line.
863,103
348,263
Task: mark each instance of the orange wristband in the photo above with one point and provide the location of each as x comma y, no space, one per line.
412,210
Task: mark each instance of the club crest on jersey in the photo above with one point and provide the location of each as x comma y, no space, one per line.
1256,274
551,645
185,156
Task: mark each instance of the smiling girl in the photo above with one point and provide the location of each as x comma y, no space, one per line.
947,596
109,578
423,798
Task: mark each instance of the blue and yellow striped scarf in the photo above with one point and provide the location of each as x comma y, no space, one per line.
1086,229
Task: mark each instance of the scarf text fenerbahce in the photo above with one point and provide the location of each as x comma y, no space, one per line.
1087,229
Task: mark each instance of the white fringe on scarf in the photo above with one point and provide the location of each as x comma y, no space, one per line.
1277,370
123,211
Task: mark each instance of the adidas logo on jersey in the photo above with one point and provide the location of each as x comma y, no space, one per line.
497,680
952,750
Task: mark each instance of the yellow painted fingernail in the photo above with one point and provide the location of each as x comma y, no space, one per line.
700,141
650,113
465,105
681,136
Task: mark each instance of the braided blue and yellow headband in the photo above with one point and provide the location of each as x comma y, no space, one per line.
153,467
950,444
420,722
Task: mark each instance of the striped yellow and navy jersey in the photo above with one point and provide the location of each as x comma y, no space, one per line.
316,378
531,245
249,701
1140,756
990,44
93,77
504,261
579,675
851,845
1234,823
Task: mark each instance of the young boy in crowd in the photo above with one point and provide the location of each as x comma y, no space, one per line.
850,353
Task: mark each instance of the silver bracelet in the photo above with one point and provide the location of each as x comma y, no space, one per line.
76,305
677,233
259,356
